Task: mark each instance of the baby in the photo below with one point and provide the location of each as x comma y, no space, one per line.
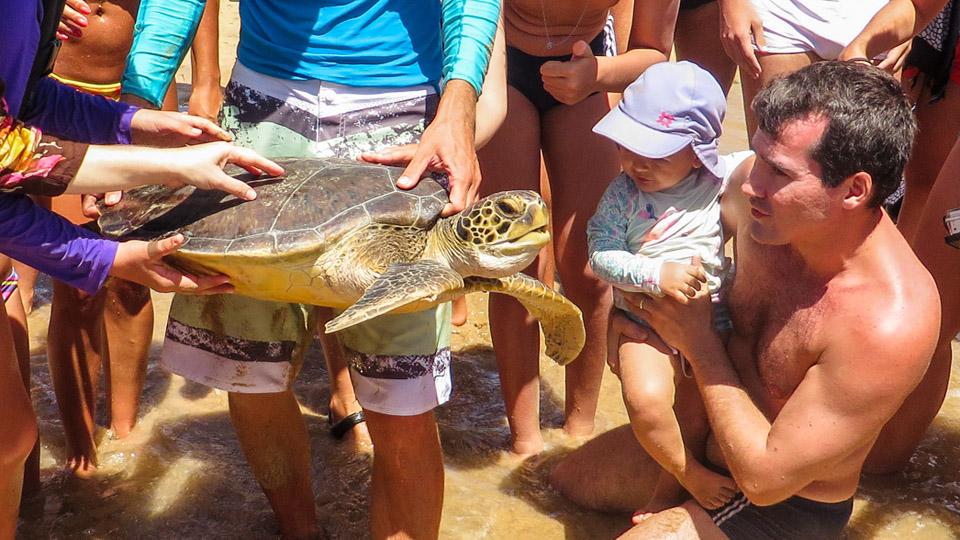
657,231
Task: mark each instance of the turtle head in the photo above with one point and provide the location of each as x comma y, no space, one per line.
501,234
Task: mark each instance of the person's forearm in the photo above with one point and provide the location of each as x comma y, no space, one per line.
615,73
740,428
626,271
118,168
492,103
469,27
458,105
53,245
897,22
63,111
163,33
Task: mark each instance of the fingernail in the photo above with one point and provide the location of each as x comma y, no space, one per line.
82,21
62,36
251,194
85,8
403,181
195,131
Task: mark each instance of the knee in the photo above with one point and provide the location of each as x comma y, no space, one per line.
648,398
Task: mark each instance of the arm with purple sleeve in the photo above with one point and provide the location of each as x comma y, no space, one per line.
53,245
63,111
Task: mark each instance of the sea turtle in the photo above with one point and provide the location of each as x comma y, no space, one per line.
339,233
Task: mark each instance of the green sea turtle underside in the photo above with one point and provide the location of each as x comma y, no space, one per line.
340,233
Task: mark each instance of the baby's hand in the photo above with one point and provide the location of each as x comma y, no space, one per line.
682,281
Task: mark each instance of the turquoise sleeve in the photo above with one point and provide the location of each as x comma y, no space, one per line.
162,35
469,27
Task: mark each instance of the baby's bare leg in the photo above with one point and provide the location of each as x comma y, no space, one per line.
648,381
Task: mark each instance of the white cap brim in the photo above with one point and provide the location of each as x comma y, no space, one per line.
627,132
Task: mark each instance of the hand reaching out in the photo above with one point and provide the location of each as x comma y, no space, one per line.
142,262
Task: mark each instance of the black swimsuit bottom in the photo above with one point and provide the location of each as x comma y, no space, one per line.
523,73
796,518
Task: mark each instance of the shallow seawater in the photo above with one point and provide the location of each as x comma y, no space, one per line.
182,474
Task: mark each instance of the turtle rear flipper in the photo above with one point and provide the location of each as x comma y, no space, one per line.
560,320
399,285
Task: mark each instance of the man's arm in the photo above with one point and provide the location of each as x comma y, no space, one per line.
469,27
896,23
842,402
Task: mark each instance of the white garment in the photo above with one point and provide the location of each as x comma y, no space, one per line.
824,27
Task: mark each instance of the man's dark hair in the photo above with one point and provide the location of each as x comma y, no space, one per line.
870,124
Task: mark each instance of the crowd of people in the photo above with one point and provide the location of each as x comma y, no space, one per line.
820,321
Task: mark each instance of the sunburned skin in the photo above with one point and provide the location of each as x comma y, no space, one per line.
100,54
531,24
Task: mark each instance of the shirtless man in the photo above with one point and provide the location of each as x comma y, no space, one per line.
834,317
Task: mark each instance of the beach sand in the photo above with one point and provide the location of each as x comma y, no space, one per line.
182,475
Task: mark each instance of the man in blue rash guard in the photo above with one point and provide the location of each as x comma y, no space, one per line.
333,80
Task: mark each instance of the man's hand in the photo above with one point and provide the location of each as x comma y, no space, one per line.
141,262
679,324
73,19
448,145
741,33
166,128
682,281
569,82
202,166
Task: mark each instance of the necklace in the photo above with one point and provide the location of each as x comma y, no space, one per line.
550,43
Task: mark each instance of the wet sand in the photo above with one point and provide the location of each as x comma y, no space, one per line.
182,475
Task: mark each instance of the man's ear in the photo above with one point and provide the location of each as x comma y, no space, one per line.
859,190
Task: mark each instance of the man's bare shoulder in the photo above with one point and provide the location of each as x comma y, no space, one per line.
888,313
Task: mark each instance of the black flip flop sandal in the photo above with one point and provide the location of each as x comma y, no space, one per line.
340,429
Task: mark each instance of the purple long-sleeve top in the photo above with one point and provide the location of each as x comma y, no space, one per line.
34,162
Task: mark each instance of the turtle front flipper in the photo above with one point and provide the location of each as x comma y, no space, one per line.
399,285
560,320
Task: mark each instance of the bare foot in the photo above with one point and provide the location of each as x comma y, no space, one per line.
710,489
458,316
526,448
81,467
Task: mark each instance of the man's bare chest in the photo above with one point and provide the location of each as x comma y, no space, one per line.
777,333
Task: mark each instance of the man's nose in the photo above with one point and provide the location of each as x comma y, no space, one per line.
748,188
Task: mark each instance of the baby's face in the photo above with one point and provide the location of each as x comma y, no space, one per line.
658,174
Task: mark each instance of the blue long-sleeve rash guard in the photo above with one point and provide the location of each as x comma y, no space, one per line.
391,43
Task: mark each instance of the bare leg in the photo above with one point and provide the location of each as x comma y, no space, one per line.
128,328
458,315
647,377
609,473
73,344
343,402
511,160
406,493
687,522
901,434
772,66
580,165
939,123
21,342
18,426
697,39
274,439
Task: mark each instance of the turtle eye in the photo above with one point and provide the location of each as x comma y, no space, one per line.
507,207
